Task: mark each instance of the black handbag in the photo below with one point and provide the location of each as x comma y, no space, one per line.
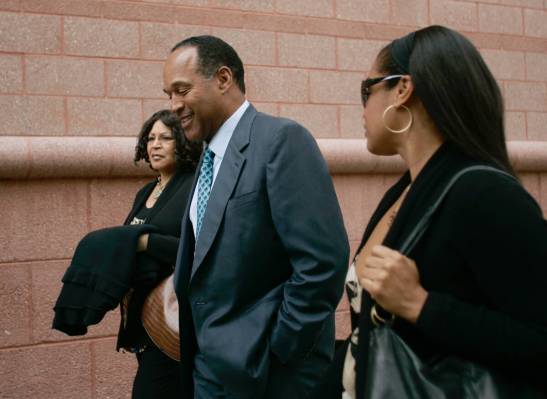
394,371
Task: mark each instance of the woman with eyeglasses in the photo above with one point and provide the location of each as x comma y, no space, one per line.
160,203
475,284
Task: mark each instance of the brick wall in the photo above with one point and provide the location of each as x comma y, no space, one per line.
78,78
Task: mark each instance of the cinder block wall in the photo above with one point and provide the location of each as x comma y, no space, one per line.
78,78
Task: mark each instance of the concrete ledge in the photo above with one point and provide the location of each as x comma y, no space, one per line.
66,157
55,157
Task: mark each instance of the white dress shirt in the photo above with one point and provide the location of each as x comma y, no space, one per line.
218,145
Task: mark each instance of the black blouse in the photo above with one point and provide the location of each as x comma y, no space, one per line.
166,216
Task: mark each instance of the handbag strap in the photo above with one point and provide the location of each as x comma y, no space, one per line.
421,227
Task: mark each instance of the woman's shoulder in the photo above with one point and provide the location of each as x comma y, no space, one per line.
482,189
146,187
482,181
186,174
179,186
183,179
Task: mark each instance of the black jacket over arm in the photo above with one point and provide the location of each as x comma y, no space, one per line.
483,262
106,264
99,274
161,251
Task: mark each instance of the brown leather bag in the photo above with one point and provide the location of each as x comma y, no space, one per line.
160,318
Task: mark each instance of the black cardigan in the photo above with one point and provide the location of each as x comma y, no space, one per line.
166,216
483,262
99,274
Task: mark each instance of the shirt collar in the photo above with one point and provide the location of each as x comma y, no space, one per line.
220,141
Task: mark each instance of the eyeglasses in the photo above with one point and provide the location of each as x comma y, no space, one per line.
367,83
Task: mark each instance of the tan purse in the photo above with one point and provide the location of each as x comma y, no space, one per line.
160,318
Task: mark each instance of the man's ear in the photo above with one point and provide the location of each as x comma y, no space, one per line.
224,78
405,89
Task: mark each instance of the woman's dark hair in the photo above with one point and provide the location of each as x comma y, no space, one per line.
186,153
456,88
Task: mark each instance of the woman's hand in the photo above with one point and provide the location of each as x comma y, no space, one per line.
143,243
392,280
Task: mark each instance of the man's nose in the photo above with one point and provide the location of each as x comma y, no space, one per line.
176,104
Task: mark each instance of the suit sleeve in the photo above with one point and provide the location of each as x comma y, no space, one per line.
309,222
503,236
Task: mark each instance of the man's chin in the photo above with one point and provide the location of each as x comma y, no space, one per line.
193,137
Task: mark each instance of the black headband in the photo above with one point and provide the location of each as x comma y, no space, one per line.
401,49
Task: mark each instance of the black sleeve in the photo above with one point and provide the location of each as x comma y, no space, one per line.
163,247
502,235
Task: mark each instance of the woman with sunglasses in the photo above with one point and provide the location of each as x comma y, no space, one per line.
474,286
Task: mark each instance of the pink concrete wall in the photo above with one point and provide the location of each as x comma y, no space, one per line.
78,77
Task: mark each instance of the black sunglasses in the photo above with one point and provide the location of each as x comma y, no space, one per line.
367,83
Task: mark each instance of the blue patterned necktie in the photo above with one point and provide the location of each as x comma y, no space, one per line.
204,187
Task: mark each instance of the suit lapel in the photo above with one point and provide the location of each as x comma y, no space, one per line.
223,187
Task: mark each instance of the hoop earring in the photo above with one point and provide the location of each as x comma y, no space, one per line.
400,130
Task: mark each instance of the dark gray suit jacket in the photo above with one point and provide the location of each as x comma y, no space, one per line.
269,266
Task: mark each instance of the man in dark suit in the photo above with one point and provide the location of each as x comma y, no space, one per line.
263,251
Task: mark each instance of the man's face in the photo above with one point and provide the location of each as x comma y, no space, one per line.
195,99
